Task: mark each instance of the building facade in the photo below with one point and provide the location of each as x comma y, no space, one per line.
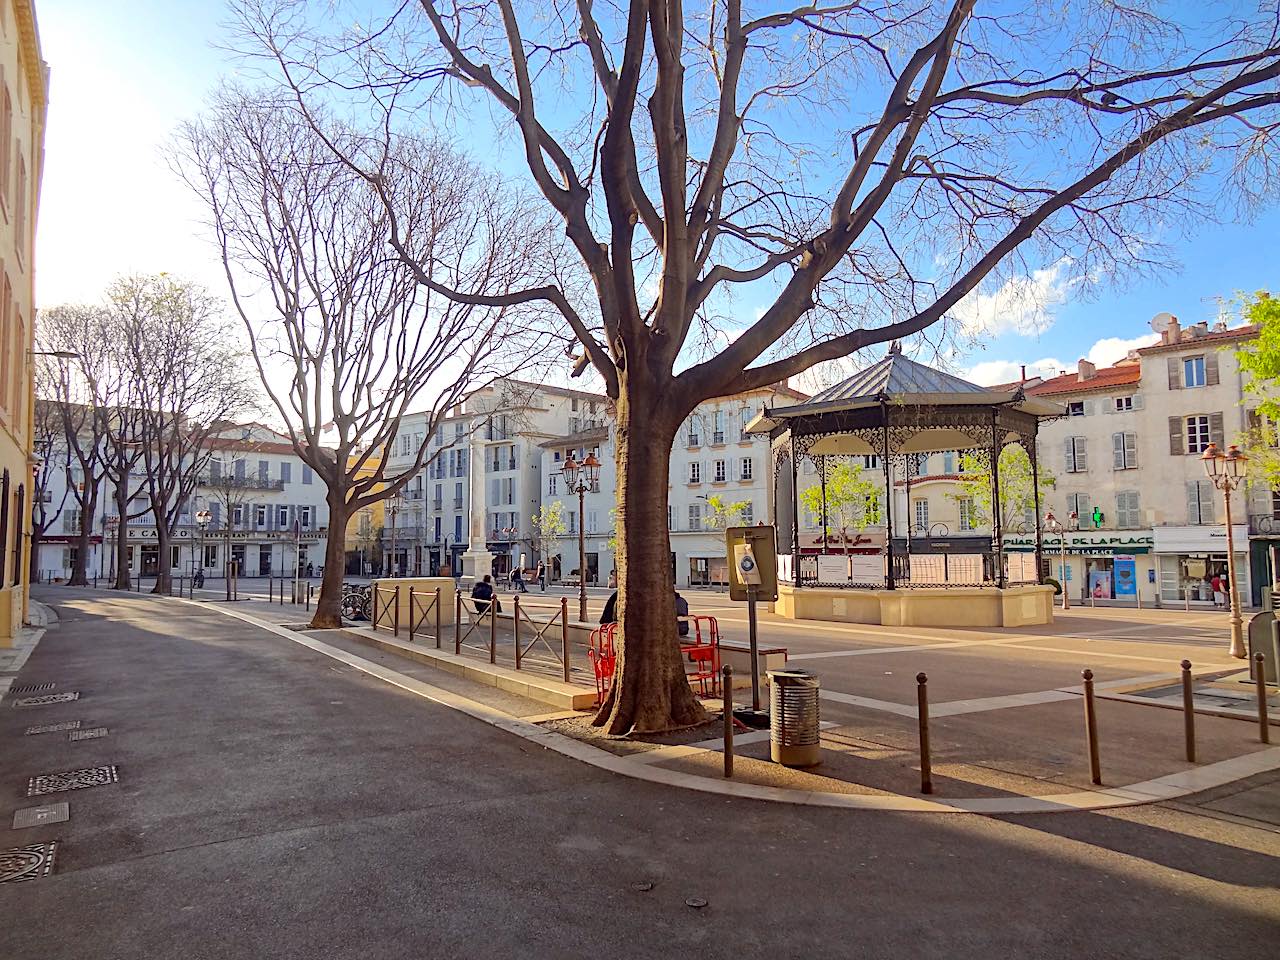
23,102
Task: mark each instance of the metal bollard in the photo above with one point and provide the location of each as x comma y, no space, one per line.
1259,678
922,705
726,687
309,591
395,612
437,606
271,589
457,622
411,616
1091,727
515,625
564,637
1189,711
493,629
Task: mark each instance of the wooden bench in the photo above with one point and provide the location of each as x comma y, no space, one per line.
737,654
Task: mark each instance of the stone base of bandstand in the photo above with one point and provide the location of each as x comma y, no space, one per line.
1019,606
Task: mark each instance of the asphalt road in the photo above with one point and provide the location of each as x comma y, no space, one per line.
273,803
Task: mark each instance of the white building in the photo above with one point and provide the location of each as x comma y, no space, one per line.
256,490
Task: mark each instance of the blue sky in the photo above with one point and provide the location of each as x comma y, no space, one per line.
125,73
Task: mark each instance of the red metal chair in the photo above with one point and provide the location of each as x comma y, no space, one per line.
603,658
704,653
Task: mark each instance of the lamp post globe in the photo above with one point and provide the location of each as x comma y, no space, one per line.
1053,525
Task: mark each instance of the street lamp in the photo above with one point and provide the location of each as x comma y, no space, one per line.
110,525
1053,525
1226,471
579,478
393,507
203,518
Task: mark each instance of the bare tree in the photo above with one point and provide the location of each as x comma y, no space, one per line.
189,379
53,459
857,169
230,490
344,333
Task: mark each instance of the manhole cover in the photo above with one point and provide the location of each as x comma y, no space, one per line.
31,862
93,733
39,816
33,688
53,727
71,780
47,698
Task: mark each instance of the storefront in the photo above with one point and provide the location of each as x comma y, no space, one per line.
1099,564
1190,558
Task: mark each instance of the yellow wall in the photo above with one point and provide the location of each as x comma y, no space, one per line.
23,97
374,511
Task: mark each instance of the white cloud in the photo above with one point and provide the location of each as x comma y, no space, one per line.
1104,353
1021,305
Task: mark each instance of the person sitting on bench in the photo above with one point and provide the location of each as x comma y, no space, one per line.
482,596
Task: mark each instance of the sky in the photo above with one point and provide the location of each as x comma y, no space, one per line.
124,74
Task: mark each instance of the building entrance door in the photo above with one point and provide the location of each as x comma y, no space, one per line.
150,560
264,560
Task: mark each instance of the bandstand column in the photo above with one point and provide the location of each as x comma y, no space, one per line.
889,580
1035,498
795,512
997,532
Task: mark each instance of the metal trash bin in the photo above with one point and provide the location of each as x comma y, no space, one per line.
793,718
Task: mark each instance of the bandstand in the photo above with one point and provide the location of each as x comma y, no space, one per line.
896,410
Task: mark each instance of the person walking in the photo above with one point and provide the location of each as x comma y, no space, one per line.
482,596
1219,592
541,574
517,580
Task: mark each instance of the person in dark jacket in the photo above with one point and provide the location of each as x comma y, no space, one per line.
482,596
610,612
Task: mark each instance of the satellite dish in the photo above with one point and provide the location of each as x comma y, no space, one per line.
1162,322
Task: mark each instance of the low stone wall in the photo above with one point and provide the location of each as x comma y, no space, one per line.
927,607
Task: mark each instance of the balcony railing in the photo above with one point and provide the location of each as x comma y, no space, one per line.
240,483
1263,524
457,503
718,437
693,440
437,504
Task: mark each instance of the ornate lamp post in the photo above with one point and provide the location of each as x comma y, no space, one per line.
1226,471
393,507
579,478
111,525
203,517
1053,525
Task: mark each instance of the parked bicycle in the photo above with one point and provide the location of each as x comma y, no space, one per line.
357,601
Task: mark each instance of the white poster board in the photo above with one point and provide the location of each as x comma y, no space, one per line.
1022,567
928,568
867,568
964,568
833,569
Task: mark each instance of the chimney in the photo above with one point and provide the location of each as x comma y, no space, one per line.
1024,374
1173,332
1086,370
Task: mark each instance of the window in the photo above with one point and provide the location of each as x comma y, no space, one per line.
1197,433
573,404
967,514
571,520
1124,451
592,520
1078,504
742,429
304,517
437,528
239,469
286,472
717,426
264,471
6,143
1128,515
1124,404
1193,372
747,469
671,517
695,472
553,480
457,495
210,554
260,515
20,209
457,528
237,515
871,462
693,438
1200,501
282,517
695,516
920,509
1077,456
721,473
748,513
1075,408
948,462
307,474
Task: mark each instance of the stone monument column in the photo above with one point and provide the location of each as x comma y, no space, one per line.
477,561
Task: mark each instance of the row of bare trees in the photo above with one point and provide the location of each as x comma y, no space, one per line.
130,392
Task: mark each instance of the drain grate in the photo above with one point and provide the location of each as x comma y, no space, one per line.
53,727
93,733
71,780
47,698
33,688
39,816
31,862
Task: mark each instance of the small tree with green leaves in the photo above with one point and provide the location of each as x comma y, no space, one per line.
852,499
1260,359
722,514
1017,491
548,527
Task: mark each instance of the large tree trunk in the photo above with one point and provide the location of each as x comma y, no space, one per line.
329,603
80,567
122,544
650,692
164,576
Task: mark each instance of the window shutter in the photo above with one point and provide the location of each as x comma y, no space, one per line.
1137,401
1082,455
1211,369
1207,491
1216,434
1175,373
1131,451
1175,436
1068,457
1088,408
1193,501
1117,451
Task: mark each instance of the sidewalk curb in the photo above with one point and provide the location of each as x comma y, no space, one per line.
1150,791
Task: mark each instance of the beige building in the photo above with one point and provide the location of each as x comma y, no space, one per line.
23,101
